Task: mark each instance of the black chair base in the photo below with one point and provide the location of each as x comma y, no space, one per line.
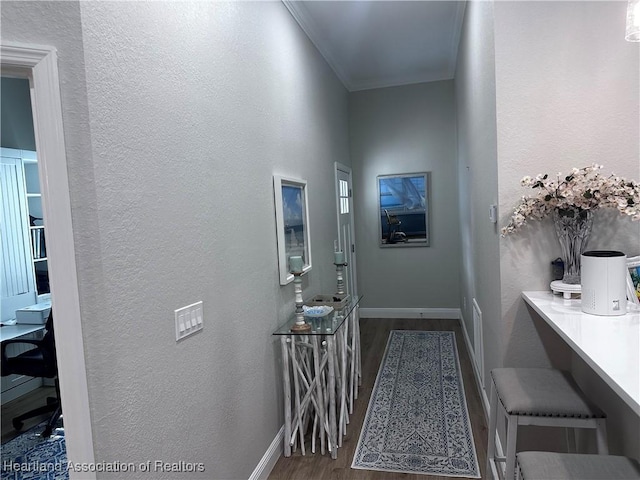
18,422
53,405
38,360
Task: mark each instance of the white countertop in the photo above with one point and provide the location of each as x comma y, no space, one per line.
610,345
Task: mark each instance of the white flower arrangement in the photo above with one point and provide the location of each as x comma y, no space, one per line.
582,190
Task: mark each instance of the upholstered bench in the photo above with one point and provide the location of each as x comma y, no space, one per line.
542,397
572,466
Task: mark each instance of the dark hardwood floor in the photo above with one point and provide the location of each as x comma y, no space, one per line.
25,403
374,334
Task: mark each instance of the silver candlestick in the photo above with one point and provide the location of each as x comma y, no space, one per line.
340,274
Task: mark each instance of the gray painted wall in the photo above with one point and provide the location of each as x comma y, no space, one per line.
475,92
403,130
16,122
563,99
191,108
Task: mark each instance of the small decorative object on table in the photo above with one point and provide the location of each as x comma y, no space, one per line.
317,311
571,200
557,269
340,264
336,301
295,267
633,280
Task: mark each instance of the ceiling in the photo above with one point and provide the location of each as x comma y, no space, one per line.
374,44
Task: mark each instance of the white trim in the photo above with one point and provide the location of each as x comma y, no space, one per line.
299,12
397,81
40,65
478,339
270,458
444,313
283,261
481,390
339,167
456,33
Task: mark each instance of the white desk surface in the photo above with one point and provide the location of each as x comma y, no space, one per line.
9,332
609,344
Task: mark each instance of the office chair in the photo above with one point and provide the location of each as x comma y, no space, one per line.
394,235
39,361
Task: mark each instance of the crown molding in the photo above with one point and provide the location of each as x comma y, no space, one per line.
300,14
399,81
456,33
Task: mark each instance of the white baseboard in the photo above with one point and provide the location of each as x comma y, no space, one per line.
482,391
270,458
446,313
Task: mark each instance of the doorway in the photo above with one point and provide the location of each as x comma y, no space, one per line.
346,229
39,65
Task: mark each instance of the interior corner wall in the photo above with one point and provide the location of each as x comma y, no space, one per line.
399,130
177,115
16,124
478,177
567,95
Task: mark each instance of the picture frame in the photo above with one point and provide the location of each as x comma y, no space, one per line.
403,210
292,224
633,280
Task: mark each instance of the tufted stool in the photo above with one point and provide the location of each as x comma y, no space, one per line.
538,396
571,466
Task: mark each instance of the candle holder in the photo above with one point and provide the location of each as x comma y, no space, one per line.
340,275
300,326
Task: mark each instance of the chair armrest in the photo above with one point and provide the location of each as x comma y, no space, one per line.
6,343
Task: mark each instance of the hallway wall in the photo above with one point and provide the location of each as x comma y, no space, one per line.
177,116
404,130
529,103
568,98
475,90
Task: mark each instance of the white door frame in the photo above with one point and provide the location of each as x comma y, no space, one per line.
40,65
347,170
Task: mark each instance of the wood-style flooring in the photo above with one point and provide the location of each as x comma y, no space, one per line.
25,403
374,334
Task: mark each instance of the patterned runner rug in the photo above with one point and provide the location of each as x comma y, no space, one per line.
417,420
30,456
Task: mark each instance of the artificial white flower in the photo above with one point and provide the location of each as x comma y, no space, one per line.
583,189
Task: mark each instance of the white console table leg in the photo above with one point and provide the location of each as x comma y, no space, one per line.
356,333
297,396
317,360
333,434
286,381
342,339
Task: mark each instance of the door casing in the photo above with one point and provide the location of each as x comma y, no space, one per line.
346,230
40,65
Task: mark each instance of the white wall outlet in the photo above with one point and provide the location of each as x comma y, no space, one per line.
189,319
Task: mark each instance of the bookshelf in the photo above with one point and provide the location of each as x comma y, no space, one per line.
36,225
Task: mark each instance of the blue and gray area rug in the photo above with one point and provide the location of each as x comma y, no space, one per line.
29,456
417,420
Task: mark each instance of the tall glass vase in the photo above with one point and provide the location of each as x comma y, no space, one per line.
573,228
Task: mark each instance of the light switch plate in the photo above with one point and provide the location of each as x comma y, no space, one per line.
189,320
493,213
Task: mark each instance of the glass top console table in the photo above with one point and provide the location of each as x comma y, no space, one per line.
321,374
